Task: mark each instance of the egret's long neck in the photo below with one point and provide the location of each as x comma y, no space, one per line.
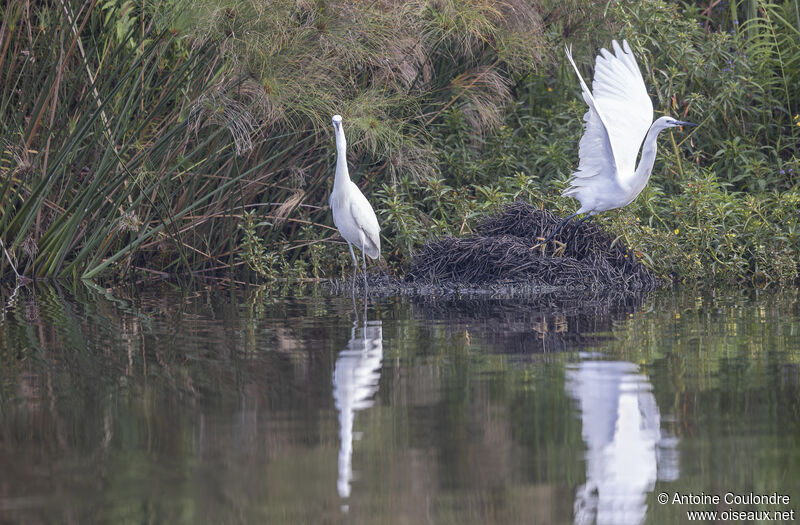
342,175
648,157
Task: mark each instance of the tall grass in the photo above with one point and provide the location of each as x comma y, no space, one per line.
100,160
142,136
722,201
192,138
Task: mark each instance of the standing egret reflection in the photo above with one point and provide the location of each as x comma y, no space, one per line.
619,118
355,382
352,213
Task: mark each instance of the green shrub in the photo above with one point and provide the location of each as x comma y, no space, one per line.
722,201
193,137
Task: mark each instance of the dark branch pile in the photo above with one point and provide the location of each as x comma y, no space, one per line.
502,252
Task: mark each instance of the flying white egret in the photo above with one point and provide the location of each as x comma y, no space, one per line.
352,213
619,117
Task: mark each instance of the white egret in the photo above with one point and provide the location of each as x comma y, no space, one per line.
352,213
619,118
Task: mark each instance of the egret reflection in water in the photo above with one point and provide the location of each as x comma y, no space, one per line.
625,453
355,381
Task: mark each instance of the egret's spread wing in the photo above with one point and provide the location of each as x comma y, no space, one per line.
595,149
622,100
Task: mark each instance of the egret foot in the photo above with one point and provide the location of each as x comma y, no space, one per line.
540,245
557,228
559,247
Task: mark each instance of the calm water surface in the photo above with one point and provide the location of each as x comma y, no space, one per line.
244,406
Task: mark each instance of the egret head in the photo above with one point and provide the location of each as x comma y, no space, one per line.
669,122
341,143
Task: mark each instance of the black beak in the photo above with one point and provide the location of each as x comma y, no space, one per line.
680,123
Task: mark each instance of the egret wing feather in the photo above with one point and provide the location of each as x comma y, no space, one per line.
595,149
619,116
365,218
621,99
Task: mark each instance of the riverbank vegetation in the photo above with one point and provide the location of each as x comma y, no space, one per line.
182,139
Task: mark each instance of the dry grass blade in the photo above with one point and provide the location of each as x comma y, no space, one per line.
282,212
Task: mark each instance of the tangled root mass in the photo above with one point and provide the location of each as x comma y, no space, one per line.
504,251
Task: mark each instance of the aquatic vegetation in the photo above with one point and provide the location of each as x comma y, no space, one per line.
722,203
199,112
180,139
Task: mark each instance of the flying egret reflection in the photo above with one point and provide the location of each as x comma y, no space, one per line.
619,118
626,452
352,213
355,381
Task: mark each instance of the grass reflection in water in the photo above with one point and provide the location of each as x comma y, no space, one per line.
215,405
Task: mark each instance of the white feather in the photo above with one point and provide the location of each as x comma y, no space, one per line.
619,116
352,213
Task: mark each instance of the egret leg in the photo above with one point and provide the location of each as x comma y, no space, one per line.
560,225
355,267
575,230
364,271
365,313
355,315
364,258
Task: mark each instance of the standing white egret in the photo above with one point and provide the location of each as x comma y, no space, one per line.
619,117
352,213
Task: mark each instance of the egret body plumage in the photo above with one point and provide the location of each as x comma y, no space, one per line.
619,118
352,213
